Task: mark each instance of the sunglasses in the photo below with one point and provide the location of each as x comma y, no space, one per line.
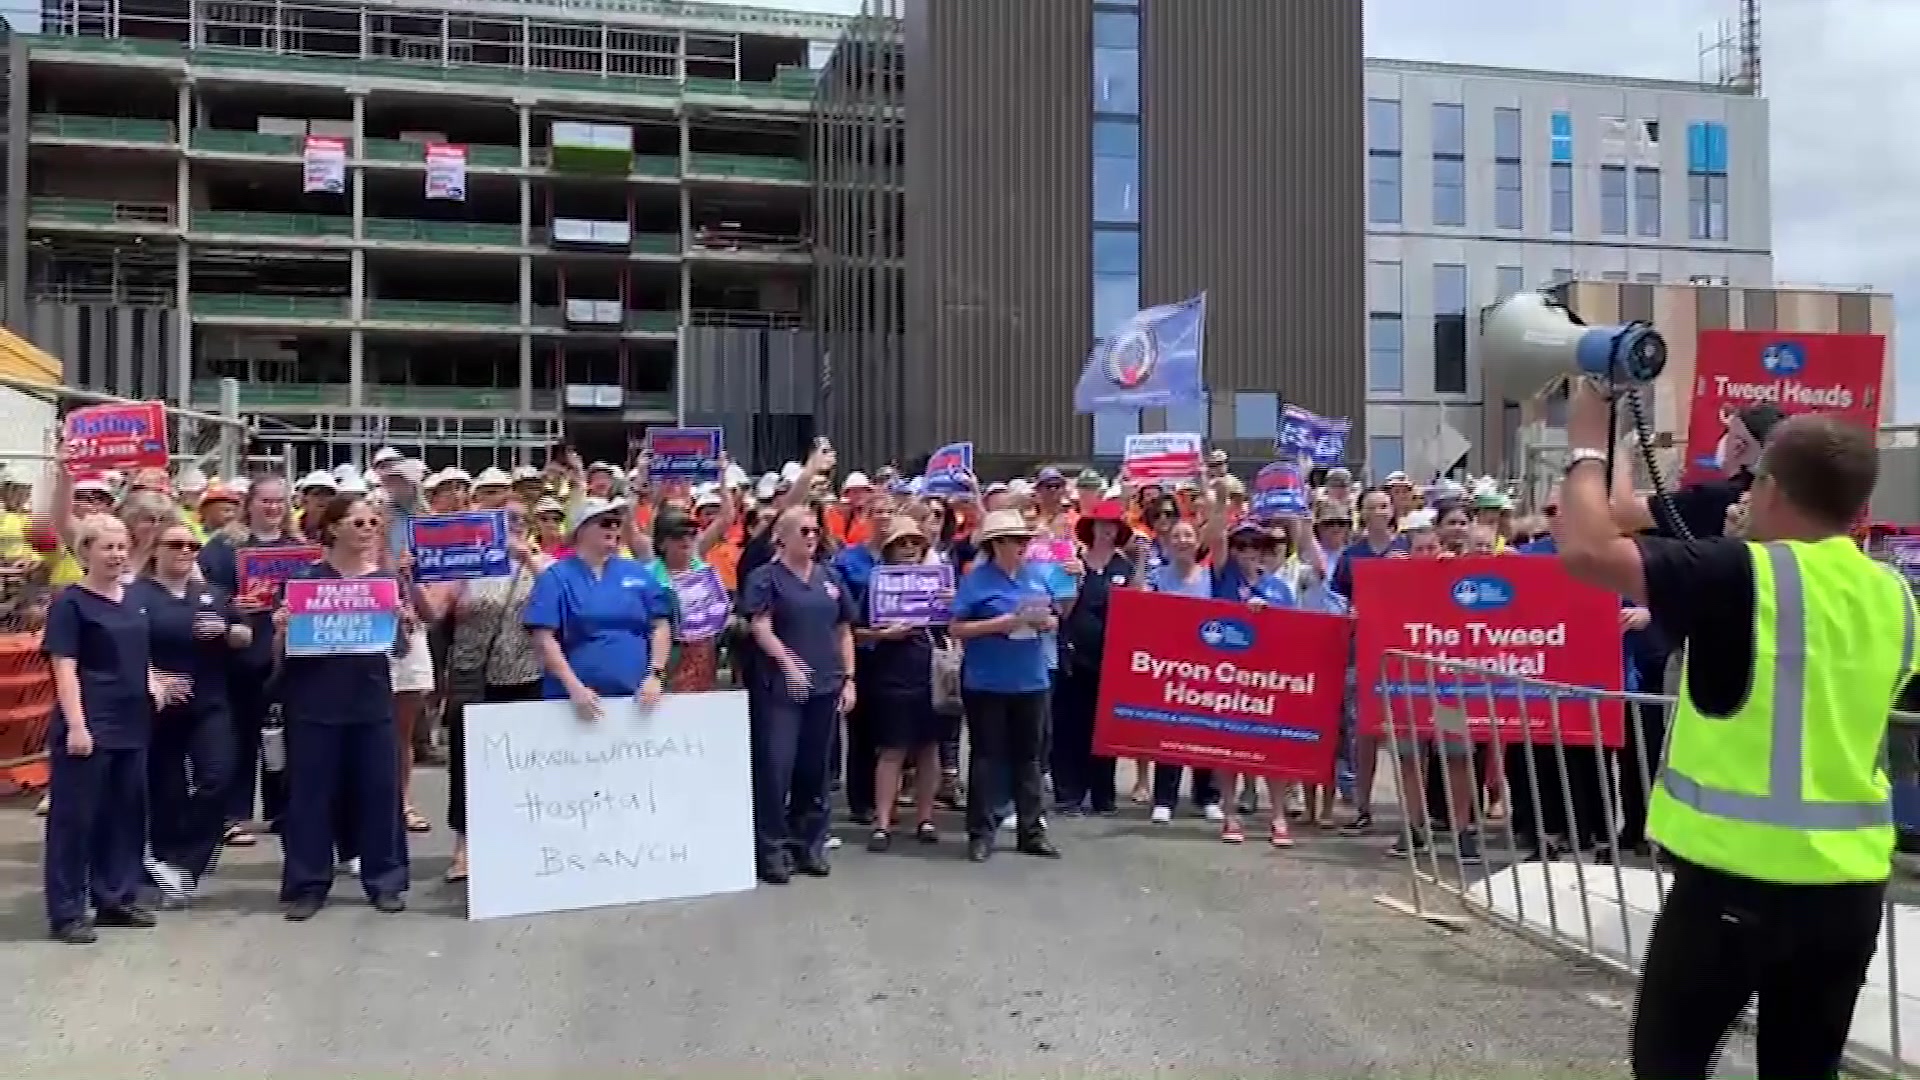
362,523
609,521
181,545
809,530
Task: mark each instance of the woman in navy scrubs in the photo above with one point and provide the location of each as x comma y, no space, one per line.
896,681
601,623
105,693
263,523
1000,610
193,632
340,737
1081,780
802,618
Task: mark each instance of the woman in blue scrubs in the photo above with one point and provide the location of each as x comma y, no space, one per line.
802,617
1000,610
105,693
340,737
193,632
601,623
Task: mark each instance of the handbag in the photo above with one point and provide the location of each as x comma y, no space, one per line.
946,677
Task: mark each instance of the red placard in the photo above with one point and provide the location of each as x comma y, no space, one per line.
1217,684
124,437
1796,373
263,570
1516,616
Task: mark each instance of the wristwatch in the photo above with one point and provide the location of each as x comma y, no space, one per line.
1580,455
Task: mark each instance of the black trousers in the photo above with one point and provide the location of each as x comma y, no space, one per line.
1639,761
457,745
1720,940
1078,774
1007,732
1538,794
863,755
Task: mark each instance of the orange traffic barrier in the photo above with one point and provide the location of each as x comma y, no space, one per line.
26,709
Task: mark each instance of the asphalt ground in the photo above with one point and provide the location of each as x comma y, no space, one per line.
1146,951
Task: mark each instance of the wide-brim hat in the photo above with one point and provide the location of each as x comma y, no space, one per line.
903,528
1107,510
1003,524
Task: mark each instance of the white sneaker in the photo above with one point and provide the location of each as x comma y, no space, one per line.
348,867
1212,812
833,843
1161,815
1010,823
172,880
1296,802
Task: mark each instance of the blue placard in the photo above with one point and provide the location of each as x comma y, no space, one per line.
690,455
1279,491
460,547
1316,438
947,470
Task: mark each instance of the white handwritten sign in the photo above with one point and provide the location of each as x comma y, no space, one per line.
566,814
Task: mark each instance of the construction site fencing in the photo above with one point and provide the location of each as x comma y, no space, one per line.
26,681
1558,853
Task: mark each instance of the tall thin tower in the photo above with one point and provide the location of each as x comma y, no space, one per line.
1749,46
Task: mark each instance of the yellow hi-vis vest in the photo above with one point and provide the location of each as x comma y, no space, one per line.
1792,788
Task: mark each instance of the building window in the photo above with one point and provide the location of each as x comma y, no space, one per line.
1383,162
1449,164
1562,274
1116,172
1449,329
1386,454
1386,353
1111,428
1707,180
1116,73
1647,278
1508,280
1116,298
1508,202
1256,415
1613,275
1646,202
1560,150
1116,251
1613,200
1189,417
1116,30
1560,201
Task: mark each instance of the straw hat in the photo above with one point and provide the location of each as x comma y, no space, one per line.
1003,524
903,528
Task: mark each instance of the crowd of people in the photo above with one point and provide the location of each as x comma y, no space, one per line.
182,727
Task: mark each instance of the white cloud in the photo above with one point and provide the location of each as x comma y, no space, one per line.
1834,71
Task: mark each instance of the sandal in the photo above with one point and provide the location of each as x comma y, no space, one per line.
1232,833
1280,837
927,833
416,823
237,835
880,841
457,871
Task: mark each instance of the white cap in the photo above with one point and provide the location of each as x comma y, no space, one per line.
352,485
736,476
491,477
94,485
526,473
384,455
591,508
790,472
856,481
601,466
453,474
768,487
190,480
319,479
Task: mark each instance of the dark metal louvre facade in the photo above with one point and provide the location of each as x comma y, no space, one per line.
1253,190
998,204
859,144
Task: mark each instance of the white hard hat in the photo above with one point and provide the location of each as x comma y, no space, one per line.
413,470
707,496
492,478
352,485
768,487
591,508
452,474
320,480
525,473
790,472
856,481
386,454
190,480
239,485
736,476
601,466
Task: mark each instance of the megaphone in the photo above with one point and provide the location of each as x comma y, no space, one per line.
1531,339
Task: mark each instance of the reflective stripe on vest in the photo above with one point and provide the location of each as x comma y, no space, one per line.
1785,804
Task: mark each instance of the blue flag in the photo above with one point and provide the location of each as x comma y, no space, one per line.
1151,361
1316,438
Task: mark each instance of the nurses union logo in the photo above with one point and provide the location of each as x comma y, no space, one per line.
1783,359
1132,359
1482,593
1227,635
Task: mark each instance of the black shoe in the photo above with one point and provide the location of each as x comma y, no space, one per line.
391,903
1361,825
862,818
77,932
1038,845
812,864
927,833
1907,842
979,848
303,909
880,841
774,873
133,916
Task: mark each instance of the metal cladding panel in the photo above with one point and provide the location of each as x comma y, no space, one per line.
1253,190
998,224
110,348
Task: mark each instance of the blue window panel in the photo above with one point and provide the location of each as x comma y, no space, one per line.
1116,298
1449,191
1506,134
1613,200
1697,154
1509,280
1116,30
1716,147
1561,127
1189,416
1386,454
1508,204
1116,251
1386,353
1256,415
1116,81
1116,138
1646,202
1383,124
1111,428
1560,200
1383,188
1449,129
1116,190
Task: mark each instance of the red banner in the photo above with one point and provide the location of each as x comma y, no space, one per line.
123,437
1217,684
1513,616
263,570
1796,373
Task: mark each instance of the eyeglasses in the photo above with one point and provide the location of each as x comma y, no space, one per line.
180,545
362,523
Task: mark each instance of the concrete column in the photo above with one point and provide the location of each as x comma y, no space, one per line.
356,368
526,373
183,177
357,286
183,327
526,183
526,290
356,173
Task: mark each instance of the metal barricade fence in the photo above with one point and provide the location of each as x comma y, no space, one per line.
1556,850
26,681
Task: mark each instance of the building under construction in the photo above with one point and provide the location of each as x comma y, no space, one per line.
460,227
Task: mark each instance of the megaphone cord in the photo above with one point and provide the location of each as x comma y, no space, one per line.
1643,433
